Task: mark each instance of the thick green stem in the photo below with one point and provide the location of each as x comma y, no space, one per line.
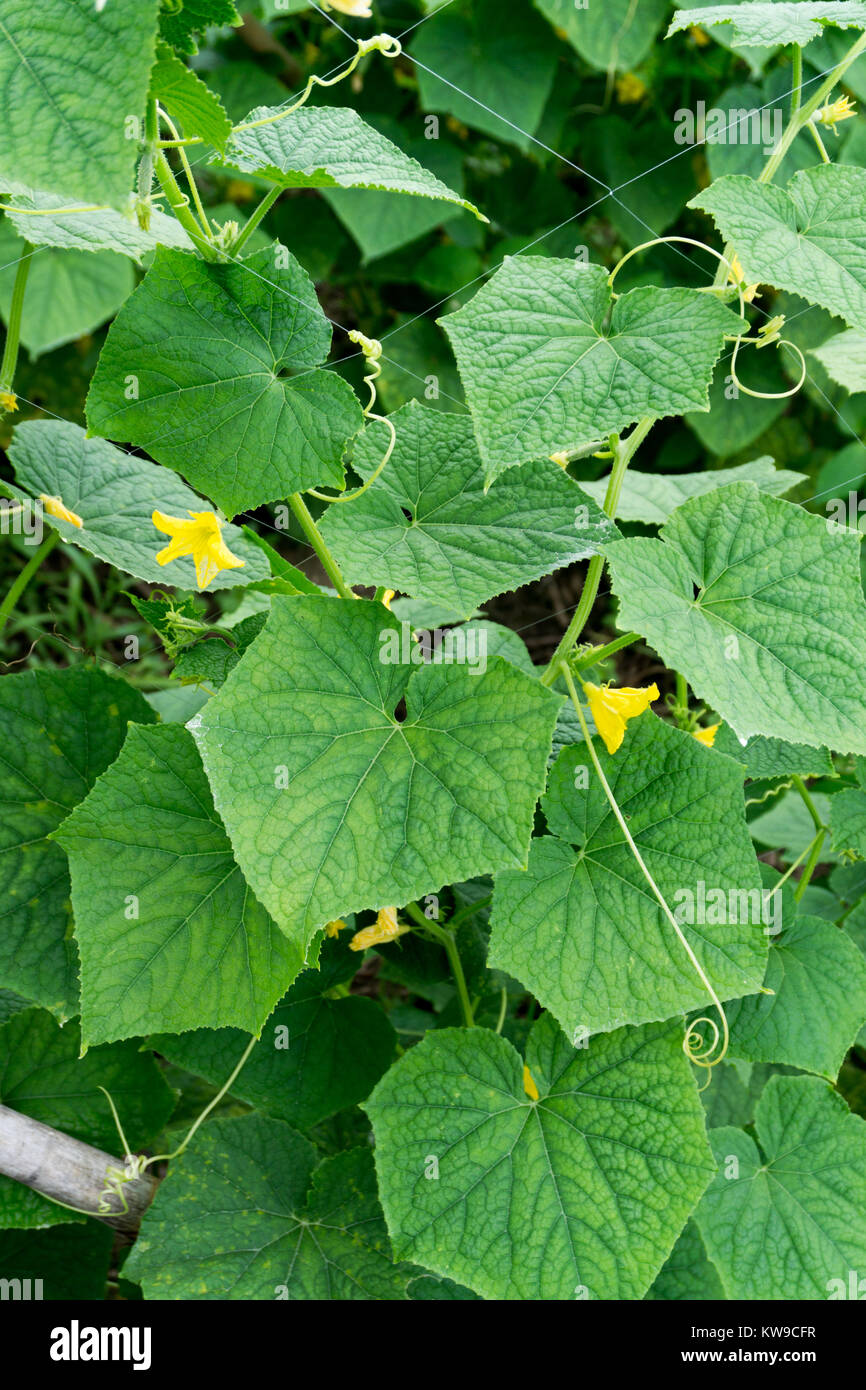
179,205
809,803
596,655
796,81
13,330
811,864
254,219
446,939
7,607
314,536
623,454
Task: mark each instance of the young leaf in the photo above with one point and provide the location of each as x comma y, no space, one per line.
652,497
767,24
542,373
182,24
582,928
317,1054
96,229
187,99
208,367
329,147
771,757
115,494
760,606
245,1214
785,1220
334,805
60,730
73,76
581,1192
169,933
619,32
809,238
427,527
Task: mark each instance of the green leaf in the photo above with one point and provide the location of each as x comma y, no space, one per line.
209,661
760,606
244,1214
169,933
330,147
60,730
221,359
427,527
65,1263
69,293
582,928
848,817
843,358
317,1054
652,497
466,66
581,1193
809,238
311,769
94,229
818,1002
42,1075
188,100
115,494
618,33
183,24
771,757
790,1222
764,25
687,1273
72,77
539,366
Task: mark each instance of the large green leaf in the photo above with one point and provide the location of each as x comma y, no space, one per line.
543,373
69,293
329,147
617,34
317,1054
766,24
772,757
652,497
208,367
42,1075
467,65
169,933
784,1217
72,75
759,604
427,527
582,928
60,730
245,1214
581,1193
188,100
332,804
93,229
115,493
809,238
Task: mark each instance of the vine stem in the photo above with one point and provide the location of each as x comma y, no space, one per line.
446,939
13,330
316,539
179,204
624,451
691,1035
817,844
599,654
255,218
20,584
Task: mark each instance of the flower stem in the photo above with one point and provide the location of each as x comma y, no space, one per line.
314,536
13,330
624,451
20,584
446,939
596,655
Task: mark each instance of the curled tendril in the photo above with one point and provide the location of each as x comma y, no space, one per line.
700,1050
385,44
372,350
760,343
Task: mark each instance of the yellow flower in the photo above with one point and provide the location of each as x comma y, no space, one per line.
842,109
700,36
8,400
611,709
736,276
385,928
387,597
358,9
561,458
629,89
54,507
202,539
707,736
529,1085
334,928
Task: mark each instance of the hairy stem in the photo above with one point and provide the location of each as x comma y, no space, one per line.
255,218
314,536
179,204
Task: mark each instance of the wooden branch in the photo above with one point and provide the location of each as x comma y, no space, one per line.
62,1167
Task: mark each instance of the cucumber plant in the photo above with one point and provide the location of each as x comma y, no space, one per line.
419,967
